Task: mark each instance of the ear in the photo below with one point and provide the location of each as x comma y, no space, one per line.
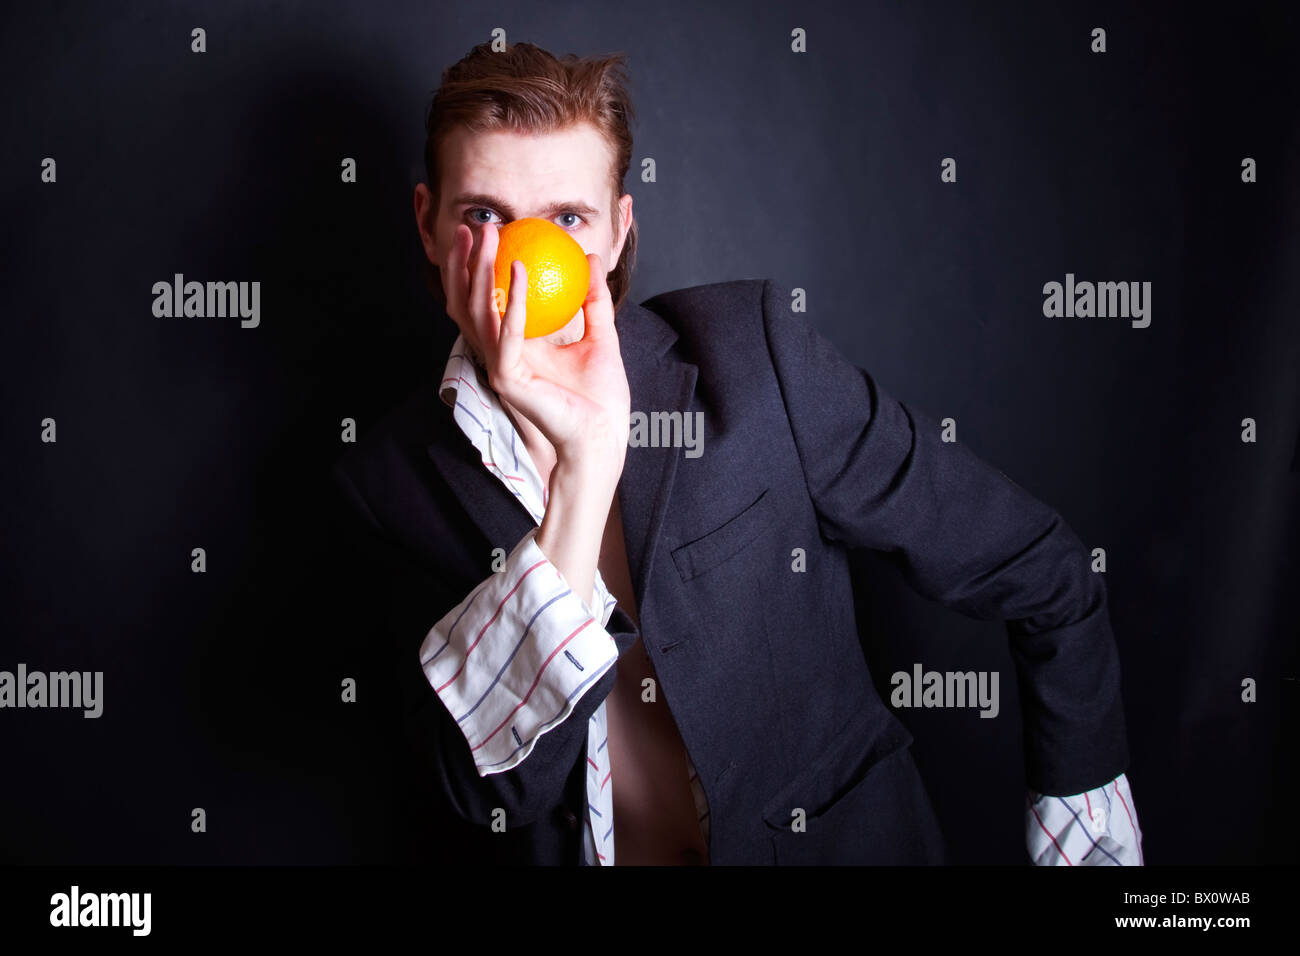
425,218
625,223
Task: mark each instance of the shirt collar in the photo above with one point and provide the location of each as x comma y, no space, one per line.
482,418
460,367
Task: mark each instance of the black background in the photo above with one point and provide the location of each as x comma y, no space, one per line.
821,171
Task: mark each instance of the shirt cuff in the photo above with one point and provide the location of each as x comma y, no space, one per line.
511,661
1096,828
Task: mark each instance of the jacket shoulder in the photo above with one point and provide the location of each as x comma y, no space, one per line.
734,299
720,318
386,453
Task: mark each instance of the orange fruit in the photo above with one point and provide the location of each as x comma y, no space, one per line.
558,273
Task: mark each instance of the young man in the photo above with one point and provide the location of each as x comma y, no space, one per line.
612,647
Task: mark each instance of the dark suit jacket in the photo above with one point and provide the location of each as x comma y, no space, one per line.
761,666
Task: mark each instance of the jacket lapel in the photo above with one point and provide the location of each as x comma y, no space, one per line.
657,381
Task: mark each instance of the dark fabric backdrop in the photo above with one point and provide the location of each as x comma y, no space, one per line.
819,170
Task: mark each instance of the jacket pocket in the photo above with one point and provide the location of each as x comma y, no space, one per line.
863,803
724,542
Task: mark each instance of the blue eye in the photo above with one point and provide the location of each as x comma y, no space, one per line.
478,221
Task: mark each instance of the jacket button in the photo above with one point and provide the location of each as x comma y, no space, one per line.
569,818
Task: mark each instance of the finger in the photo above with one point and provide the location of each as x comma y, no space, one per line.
510,346
482,309
455,279
455,284
598,307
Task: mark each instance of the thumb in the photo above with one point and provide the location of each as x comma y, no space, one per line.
598,307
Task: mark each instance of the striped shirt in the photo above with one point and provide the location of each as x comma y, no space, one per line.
513,658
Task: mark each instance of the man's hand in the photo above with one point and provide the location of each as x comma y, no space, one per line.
576,394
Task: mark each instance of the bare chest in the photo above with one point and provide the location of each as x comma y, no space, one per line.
655,817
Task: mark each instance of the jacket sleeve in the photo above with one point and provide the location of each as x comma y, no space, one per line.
965,535
489,695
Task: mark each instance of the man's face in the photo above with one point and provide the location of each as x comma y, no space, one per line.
501,176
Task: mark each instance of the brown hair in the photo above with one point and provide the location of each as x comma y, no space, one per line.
526,89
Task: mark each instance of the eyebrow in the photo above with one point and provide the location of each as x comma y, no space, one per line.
500,205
